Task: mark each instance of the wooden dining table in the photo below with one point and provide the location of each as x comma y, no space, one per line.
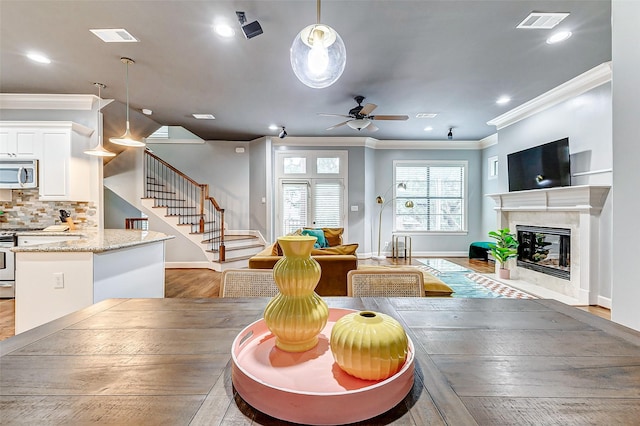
477,361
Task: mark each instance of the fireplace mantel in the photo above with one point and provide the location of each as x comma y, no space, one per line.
582,198
575,207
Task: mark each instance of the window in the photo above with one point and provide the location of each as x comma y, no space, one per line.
493,168
438,192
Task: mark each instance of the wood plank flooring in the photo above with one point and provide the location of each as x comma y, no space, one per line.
198,283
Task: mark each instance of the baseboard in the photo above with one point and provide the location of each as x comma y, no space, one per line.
188,265
605,302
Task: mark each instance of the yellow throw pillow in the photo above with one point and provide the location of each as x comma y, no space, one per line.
333,236
341,249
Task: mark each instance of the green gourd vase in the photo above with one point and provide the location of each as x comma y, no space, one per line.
369,345
296,315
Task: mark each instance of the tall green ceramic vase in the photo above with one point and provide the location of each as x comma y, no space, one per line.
296,315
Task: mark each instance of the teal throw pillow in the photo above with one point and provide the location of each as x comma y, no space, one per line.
319,234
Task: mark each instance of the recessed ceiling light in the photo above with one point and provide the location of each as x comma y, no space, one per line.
428,129
224,30
146,111
38,57
426,115
204,116
114,35
541,20
273,127
503,100
558,37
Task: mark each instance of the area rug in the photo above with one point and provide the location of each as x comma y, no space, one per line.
469,284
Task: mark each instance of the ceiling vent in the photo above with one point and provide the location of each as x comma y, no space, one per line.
541,20
114,35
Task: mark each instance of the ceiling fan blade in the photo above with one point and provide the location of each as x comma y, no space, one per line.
334,115
367,109
389,117
372,127
338,125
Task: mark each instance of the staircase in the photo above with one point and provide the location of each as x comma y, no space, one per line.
186,206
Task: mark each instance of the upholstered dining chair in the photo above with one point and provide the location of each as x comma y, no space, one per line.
385,283
248,283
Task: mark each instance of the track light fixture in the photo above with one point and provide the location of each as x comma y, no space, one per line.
283,133
127,138
250,30
450,134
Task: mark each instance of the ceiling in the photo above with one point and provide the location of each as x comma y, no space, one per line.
453,58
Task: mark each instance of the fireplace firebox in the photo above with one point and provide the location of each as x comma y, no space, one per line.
545,250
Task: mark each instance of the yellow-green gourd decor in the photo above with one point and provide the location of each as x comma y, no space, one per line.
369,345
296,315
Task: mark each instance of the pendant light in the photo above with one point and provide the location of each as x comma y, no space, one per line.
318,55
99,150
127,139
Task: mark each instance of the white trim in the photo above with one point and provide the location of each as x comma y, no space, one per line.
583,83
78,128
605,302
489,141
45,101
593,172
368,142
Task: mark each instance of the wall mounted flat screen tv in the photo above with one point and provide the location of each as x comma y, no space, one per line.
543,166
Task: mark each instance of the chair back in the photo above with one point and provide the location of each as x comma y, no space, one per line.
385,283
248,283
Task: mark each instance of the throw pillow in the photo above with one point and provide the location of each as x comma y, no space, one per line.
319,234
341,249
333,236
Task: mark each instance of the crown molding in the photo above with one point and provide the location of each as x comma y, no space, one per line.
45,101
488,141
374,143
583,83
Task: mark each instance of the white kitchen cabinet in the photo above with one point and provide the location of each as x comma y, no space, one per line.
64,169
19,143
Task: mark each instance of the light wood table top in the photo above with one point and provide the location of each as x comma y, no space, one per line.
478,361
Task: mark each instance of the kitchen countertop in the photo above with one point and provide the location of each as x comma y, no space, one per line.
92,240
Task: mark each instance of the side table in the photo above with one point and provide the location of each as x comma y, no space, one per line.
395,246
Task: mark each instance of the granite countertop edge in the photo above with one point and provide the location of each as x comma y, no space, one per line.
92,240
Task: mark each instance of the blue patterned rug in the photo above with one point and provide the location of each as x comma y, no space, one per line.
467,283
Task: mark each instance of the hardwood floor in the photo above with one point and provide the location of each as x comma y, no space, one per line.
197,283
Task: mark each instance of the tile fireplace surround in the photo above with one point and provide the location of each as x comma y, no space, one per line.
574,207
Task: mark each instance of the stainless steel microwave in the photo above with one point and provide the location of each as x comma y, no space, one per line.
18,174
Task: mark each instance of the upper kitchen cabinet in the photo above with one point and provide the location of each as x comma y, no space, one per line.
65,173
19,142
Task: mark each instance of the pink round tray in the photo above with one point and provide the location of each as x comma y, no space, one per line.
309,387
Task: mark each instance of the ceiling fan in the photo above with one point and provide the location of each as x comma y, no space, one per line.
360,117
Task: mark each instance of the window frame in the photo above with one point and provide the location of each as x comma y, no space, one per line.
464,164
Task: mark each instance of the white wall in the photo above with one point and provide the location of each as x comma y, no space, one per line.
626,154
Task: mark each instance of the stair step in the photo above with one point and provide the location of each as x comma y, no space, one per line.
160,191
232,238
180,200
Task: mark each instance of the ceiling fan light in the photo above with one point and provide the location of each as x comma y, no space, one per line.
358,124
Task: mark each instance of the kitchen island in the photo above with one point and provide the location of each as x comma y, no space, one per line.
84,267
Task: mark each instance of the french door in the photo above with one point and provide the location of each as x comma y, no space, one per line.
311,203
311,190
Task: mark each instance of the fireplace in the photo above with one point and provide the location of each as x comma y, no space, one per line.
546,250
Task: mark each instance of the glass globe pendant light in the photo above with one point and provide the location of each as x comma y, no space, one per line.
318,55
99,150
127,138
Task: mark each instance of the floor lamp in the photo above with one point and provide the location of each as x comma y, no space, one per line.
380,200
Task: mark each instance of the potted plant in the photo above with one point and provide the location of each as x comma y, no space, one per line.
505,248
